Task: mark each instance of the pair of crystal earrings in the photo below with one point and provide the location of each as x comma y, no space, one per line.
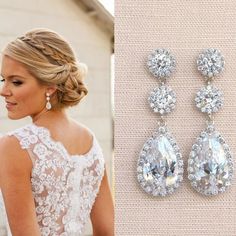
160,164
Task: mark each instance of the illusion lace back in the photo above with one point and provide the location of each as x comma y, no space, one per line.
64,186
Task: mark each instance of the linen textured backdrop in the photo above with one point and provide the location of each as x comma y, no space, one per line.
186,28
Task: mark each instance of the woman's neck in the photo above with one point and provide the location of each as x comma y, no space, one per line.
47,117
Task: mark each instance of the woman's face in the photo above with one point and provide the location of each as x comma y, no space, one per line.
24,96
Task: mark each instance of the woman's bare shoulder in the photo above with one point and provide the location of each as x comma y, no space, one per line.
8,144
13,158
83,130
84,136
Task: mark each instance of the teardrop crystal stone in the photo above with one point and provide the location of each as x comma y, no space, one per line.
210,165
160,164
48,105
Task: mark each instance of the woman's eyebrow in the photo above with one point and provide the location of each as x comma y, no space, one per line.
12,76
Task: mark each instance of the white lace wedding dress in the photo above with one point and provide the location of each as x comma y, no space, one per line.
64,186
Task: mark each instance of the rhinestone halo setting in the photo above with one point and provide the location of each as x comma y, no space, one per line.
210,165
160,165
210,63
161,63
162,99
209,99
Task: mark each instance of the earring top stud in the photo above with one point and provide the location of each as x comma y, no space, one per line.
161,63
210,63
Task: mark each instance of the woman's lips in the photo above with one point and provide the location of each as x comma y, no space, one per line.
9,105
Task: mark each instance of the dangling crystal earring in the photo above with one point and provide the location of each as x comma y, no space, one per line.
210,165
160,164
48,104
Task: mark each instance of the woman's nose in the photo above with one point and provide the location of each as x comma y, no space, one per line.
4,90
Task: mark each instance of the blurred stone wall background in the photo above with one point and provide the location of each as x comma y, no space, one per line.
89,29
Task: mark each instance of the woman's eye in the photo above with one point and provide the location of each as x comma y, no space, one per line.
2,80
17,83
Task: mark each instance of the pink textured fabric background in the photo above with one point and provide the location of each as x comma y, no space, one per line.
184,27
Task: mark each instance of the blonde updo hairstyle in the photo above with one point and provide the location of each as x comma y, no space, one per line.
51,60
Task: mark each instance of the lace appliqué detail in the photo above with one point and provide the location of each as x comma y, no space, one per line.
64,186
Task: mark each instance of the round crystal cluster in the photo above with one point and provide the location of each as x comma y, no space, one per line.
160,164
210,165
161,63
210,63
162,99
209,99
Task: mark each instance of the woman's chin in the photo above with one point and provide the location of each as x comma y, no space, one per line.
14,116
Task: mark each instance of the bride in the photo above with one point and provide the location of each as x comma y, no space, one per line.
52,172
